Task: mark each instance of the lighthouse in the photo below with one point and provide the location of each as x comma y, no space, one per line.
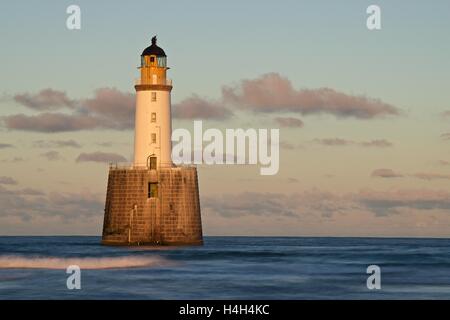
152,201
153,122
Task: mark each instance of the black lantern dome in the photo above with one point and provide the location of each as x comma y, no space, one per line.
154,50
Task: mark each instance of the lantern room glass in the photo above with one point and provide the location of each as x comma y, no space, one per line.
161,62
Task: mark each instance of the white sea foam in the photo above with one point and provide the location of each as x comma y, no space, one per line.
20,262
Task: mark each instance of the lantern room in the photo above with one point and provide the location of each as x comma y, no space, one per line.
153,65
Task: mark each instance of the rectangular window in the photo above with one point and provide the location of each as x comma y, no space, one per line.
152,190
153,96
153,137
153,116
152,163
152,59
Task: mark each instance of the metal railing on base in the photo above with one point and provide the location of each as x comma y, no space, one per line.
133,166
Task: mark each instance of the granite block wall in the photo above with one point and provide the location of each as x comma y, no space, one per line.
134,217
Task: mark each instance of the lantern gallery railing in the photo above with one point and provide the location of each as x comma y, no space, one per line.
166,82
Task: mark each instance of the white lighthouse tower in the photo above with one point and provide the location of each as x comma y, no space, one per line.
152,201
153,121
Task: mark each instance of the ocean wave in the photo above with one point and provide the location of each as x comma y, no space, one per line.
20,262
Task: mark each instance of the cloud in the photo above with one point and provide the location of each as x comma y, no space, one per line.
389,173
385,173
385,203
379,143
446,114
289,122
100,157
445,136
13,160
325,204
250,203
7,180
105,144
108,109
51,155
46,99
286,145
56,144
195,107
112,109
431,176
295,205
28,204
274,93
113,106
333,142
51,122
6,145
29,192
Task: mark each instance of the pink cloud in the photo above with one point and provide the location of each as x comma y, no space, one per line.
51,122
325,204
333,142
286,145
111,105
274,93
51,155
195,107
379,143
385,173
431,176
7,180
289,122
56,144
384,203
27,204
46,99
108,109
100,157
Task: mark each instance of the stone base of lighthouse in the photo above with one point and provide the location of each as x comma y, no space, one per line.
152,207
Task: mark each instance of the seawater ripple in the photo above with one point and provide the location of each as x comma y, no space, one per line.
226,268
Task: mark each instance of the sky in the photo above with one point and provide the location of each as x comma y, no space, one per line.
364,116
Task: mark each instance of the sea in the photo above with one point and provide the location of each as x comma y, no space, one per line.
226,268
